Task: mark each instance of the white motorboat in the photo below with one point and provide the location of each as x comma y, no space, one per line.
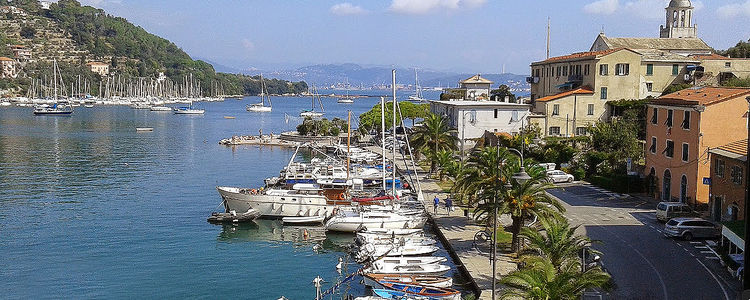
144,129
395,250
353,221
373,280
382,240
391,232
276,203
160,108
261,106
413,260
5,103
345,100
314,220
427,269
189,111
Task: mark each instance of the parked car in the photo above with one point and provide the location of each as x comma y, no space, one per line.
668,210
689,228
559,176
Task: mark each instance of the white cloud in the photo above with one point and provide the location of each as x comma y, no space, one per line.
248,45
734,10
602,7
416,7
347,9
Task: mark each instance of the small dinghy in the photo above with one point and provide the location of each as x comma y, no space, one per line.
313,220
234,217
373,280
144,129
404,289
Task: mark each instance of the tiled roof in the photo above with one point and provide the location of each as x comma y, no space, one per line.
476,79
3,58
581,55
738,147
582,90
701,96
95,63
661,55
713,56
657,43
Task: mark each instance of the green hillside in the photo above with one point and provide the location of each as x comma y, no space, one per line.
84,33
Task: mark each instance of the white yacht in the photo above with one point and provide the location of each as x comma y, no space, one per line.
348,221
261,106
303,200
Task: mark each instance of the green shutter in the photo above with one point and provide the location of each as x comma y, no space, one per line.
649,69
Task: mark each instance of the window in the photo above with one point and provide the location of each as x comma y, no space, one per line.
514,116
655,116
495,113
653,145
669,150
736,175
685,152
578,69
686,120
650,86
536,73
603,70
622,69
558,71
591,110
649,69
675,69
586,70
719,169
556,109
554,130
581,131
603,94
668,122
565,70
728,64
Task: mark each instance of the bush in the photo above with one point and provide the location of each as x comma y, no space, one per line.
27,32
619,183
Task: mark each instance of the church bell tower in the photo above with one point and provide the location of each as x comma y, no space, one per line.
679,20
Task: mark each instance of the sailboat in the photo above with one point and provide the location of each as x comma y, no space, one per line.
417,97
347,99
261,106
312,113
56,108
189,110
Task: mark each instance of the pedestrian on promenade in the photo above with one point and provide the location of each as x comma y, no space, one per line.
448,204
436,203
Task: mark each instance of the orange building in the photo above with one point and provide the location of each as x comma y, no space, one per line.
728,164
680,130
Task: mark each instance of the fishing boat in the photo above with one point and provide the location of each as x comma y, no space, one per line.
314,220
399,289
62,108
312,113
430,269
373,280
261,106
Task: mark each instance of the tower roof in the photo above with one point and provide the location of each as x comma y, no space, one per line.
680,3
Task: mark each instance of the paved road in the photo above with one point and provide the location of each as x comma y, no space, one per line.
644,263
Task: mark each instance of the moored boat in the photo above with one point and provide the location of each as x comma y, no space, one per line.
373,280
313,220
404,289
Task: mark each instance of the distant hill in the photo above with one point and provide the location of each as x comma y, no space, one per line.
73,35
357,75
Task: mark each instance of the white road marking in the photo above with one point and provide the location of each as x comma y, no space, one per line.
707,252
726,296
712,257
701,247
694,242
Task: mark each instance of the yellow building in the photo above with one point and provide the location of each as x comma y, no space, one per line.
98,68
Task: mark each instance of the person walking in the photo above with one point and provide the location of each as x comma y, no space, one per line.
448,204
436,203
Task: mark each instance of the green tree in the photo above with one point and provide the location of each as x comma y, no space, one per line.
676,88
431,136
741,50
27,32
540,279
501,92
559,243
618,141
445,160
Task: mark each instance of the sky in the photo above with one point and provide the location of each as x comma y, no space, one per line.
474,36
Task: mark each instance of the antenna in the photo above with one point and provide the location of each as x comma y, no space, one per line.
548,29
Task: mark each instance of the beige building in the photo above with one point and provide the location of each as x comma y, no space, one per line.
21,53
477,87
7,67
98,67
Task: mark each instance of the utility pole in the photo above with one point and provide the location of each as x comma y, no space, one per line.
548,29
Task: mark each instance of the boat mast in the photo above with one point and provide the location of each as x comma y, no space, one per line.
393,89
382,136
54,74
348,143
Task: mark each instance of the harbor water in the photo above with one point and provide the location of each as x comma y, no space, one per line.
90,208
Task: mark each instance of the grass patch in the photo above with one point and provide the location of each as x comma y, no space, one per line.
445,185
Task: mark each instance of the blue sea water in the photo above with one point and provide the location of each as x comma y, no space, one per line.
90,208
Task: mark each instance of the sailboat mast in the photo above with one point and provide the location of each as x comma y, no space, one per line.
382,136
393,88
348,143
54,74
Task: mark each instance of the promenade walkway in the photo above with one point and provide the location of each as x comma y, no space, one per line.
459,232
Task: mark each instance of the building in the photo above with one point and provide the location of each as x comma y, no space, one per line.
727,185
569,113
45,3
681,128
717,69
7,67
473,118
476,87
21,53
99,68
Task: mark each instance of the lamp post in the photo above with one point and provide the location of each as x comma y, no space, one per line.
746,253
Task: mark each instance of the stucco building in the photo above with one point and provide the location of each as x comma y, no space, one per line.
728,181
7,67
681,128
476,87
21,53
98,67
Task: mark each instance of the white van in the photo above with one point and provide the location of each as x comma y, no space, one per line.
669,210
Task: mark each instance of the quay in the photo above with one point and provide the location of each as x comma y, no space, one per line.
456,233
285,139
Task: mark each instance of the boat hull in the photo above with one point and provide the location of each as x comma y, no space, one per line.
258,109
373,280
274,206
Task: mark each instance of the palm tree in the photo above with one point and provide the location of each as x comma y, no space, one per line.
558,243
433,135
530,198
540,279
445,162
